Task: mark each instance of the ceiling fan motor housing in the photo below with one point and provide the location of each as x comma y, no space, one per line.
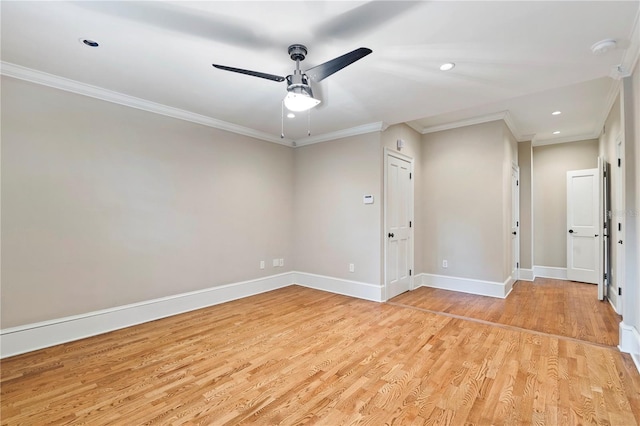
297,52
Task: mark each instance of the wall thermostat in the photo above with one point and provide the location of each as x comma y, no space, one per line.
368,199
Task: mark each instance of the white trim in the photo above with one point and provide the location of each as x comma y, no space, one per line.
550,272
379,126
61,83
566,139
351,288
632,52
611,303
630,342
30,337
502,115
526,275
468,285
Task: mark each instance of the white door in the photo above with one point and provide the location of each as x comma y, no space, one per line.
583,225
515,222
398,225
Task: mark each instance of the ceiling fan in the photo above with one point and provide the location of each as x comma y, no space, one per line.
299,94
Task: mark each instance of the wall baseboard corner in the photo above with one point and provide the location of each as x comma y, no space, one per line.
526,275
630,342
550,272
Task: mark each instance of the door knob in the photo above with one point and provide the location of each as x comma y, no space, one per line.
391,235
571,231
619,241
596,235
514,233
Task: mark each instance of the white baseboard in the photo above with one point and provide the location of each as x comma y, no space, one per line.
630,342
361,290
30,337
526,275
468,285
550,272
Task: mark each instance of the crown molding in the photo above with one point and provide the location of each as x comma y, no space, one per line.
61,83
631,54
573,138
379,126
502,115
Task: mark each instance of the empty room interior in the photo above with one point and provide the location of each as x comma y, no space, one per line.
320,212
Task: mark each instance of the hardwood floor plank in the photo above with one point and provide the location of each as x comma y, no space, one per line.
302,356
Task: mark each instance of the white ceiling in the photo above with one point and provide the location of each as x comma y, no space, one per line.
522,59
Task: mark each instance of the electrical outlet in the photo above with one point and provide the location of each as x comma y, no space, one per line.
262,264
352,267
445,264
281,262
276,262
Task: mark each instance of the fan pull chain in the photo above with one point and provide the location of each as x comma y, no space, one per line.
282,120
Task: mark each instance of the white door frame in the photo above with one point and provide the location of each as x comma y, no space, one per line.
515,217
391,153
618,221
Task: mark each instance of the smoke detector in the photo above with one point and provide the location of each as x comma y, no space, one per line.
603,46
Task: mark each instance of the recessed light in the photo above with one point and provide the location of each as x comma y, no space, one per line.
557,132
90,43
556,113
447,67
291,115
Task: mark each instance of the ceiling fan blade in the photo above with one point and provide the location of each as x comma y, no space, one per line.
252,73
363,19
322,71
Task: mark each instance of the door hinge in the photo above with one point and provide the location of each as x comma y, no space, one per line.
517,183
409,272
517,264
619,291
619,226
517,223
605,276
410,175
409,224
619,162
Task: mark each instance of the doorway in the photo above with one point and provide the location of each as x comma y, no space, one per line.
398,227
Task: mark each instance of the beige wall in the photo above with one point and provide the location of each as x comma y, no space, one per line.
412,149
332,225
104,205
550,166
462,202
524,161
631,284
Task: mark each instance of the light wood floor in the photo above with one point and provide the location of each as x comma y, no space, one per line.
298,355
563,308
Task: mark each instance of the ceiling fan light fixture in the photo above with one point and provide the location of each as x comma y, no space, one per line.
556,113
299,101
